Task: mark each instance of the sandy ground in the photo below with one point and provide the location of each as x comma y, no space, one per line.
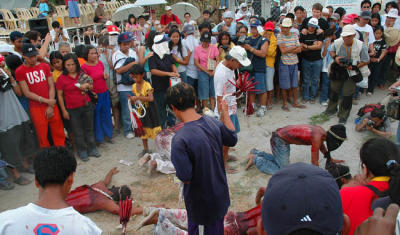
157,188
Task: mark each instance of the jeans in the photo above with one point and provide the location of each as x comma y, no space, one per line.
225,3
323,96
82,126
102,117
205,87
3,173
271,163
159,97
183,76
126,119
311,71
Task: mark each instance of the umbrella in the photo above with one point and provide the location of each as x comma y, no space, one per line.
123,12
149,2
181,8
11,4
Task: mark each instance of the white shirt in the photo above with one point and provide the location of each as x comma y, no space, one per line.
222,76
367,32
190,42
181,67
192,22
120,57
53,35
33,219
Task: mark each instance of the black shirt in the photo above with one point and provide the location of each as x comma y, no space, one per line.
309,39
322,23
379,46
165,64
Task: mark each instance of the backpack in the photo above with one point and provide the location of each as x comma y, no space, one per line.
369,108
173,18
125,78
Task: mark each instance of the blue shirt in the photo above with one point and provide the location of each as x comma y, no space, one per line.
43,9
232,29
196,153
257,62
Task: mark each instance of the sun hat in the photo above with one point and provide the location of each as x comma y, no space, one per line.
286,22
393,13
348,30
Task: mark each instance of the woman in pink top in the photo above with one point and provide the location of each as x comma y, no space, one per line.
102,114
206,58
133,26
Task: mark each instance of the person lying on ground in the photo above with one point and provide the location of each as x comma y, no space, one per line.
97,196
304,134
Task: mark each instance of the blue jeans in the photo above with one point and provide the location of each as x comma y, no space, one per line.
102,117
205,87
159,97
225,3
311,71
126,119
183,76
323,96
3,173
271,163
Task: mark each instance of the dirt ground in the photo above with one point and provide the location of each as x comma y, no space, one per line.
157,188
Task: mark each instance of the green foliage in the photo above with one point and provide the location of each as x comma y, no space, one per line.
319,119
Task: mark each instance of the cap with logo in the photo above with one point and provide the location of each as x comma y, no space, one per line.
255,23
393,13
302,196
366,15
269,26
29,50
205,37
347,19
286,22
188,29
112,30
348,30
240,54
335,16
125,37
313,22
167,8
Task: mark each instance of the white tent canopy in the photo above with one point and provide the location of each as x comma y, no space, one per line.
11,4
149,2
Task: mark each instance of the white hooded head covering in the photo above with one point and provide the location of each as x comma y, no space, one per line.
160,46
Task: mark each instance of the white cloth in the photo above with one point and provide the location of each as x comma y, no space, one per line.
190,42
117,56
11,111
164,164
53,35
367,32
240,14
33,219
181,68
222,77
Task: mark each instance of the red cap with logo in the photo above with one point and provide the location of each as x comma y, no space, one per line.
112,29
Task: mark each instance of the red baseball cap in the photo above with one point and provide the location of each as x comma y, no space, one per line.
1,59
269,26
112,29
347,19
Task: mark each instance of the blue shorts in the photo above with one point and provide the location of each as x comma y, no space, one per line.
235,121
269,78
73,9
288,76
205,87
260,86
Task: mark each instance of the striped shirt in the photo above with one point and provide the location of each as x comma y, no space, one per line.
289,41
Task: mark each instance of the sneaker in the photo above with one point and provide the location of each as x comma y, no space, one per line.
6,185
83,156
94,153
325,103
369,94
130,136
261,112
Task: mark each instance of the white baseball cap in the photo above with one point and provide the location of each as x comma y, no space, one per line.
167,8
393,13
240,54
108,23
348,30
313,22
286,22
325,10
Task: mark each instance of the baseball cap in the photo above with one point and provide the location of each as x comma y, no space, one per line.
348,30
255,23
240,54
167,8
112,30
286,22
269,26
313,22
229,14
325,10
302,196
335,16
354,16
205,37
125,37
366,15
14,35
2,61
109,22
393,13
29,50
188,29
347,19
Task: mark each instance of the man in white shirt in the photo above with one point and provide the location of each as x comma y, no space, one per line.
118,59
366,30
190,42
58,34
145,28
223,78
50,214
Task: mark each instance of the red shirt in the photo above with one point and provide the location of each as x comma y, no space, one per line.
165,19
97,74
36,79
73,96
357,200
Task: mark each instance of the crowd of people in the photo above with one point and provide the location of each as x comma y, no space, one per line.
142,77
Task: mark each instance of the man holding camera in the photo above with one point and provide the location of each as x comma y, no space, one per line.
351,58
376,122
58,34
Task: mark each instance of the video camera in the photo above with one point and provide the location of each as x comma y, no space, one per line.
346,61
242,41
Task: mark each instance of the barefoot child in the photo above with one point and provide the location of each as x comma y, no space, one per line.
144,93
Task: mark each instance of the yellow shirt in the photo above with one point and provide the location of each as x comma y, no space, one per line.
271,53
56,74
222,55
146,88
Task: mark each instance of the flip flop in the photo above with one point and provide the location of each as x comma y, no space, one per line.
285,108
299,106
22,181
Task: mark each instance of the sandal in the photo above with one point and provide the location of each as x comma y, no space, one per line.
285,108
299,106
22,181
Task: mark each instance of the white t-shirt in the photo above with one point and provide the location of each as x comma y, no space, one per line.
222,76
192,22
33,219
367,32
181,68
190,42
53,35
120,57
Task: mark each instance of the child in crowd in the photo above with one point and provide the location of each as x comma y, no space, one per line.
43,9
327,60
56,64
377,61
144,93
375,20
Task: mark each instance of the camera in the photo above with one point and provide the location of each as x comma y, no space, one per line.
346,61
225,47
371,123
243,40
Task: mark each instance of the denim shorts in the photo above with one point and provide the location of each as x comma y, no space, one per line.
235,121
205,87
260,78
269,78
288,77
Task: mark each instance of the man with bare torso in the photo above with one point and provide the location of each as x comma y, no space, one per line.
282,138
